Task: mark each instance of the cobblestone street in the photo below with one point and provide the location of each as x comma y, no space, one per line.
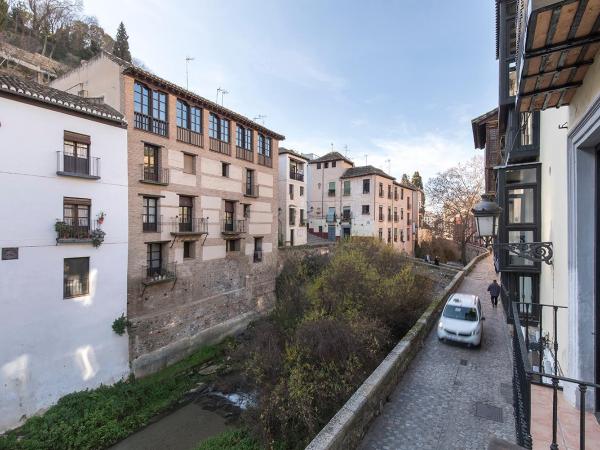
453,397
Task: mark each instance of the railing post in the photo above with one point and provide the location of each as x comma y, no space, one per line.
540,340
555,342
554,445
582,389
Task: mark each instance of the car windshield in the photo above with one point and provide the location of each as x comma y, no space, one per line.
460,313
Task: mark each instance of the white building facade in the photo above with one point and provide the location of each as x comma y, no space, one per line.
292,198
65,183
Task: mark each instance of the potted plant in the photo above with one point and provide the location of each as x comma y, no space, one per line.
61,229
101,216
97,236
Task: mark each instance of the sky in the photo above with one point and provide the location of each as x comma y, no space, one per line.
398,81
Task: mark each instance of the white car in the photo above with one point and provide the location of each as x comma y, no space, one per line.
461,320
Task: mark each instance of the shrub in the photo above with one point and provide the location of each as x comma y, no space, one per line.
120,324
231,440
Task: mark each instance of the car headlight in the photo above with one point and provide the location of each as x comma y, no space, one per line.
440,325
475,332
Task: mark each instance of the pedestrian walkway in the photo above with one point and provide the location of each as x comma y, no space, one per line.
453,397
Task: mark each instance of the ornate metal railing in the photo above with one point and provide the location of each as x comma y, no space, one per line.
151,224
532,251
163,273
77,167
233,226
190,226
296,175
154,174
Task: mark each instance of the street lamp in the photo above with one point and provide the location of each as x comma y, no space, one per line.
487,215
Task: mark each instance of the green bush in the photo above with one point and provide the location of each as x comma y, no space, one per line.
231,440
120,324
96,419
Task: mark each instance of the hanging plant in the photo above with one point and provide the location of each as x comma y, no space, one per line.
120,324
100,217
97,236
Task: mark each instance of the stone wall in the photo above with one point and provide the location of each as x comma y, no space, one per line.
347,428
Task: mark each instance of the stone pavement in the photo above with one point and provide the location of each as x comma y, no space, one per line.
453,397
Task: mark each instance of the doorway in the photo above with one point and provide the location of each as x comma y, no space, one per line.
331,232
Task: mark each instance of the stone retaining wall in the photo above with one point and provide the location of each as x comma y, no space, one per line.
347,428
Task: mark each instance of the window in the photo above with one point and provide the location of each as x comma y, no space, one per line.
389,235
154,259
522,236
225,169
346,187
520,205
333,163
389,213
196,119
186,207
521,176
318,165
526,128
291,189
258,241
232,245
395,234
389,191
189,163
141,99
401,235
292,216
218,128
326,165
401,213
395,193
183,112
408,234
366,186
150,170
159,105
302,219
188,249
76,148
381,234
301,191
346,213
365,209
229,215
76,215
250,186
395,214
76,277
264,150
331,190
243,137
246,211
381,189
381,213
150,110
149,214
401,194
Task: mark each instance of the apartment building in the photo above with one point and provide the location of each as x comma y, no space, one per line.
202,211
541,146
360,201
292,198
63,240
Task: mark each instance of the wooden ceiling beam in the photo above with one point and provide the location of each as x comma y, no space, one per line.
567,45
559,69
565,86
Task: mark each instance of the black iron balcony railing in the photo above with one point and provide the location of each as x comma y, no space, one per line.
331,193
66,233
154,175
72,166
189,137
244,153
258,255
331,218
159,274
151,224
296,175
233,226
264,160
250,190
346,217
190,226
524,351
147,123
219,146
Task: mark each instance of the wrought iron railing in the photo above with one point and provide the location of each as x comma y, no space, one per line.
250,190
154,174
258,255
68,232
331,218
151,224
189,137
524,375
219,146
233,226
73,166
296,175
331,193
159,274
190,226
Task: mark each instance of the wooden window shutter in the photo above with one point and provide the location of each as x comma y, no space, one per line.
188,163
77,201
185,201
77,137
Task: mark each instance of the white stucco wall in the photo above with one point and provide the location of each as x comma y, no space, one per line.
299,202
50,346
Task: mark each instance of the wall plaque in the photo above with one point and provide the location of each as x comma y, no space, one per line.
10,253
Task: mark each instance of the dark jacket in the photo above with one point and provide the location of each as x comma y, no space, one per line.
494,289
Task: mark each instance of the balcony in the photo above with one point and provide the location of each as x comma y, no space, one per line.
346,217
154,175
296,175
147,123
250,190
231,227
72,234
155,275
244,153
151,224
264,160
219,146
331,218
331,193
71,166
258,255
190,227
189,137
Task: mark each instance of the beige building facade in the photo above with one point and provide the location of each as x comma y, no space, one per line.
292,198
203,189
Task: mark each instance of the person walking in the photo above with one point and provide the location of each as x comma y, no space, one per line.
494,290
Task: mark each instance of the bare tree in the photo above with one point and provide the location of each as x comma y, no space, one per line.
451,196
49,16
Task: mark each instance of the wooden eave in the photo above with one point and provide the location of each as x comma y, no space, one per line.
561,42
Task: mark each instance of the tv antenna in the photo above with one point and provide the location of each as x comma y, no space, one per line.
346,150
366,159
187,78
332,146
389,165
260,117
223,93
